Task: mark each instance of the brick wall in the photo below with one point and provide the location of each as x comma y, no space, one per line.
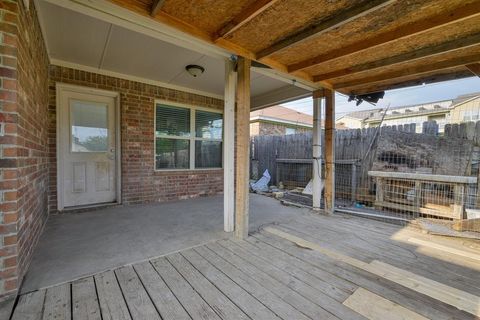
23,140
140,183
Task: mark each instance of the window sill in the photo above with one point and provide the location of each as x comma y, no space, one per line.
186,171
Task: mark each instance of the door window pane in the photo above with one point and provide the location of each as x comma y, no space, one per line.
172,121
208,154
208,125
89,126
172,153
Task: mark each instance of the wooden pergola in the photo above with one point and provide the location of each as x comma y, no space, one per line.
355,47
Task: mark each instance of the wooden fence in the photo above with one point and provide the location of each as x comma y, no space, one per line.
392,148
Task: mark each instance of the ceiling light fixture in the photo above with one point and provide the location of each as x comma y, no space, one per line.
195,70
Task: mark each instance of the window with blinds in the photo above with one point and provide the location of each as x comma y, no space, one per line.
187,138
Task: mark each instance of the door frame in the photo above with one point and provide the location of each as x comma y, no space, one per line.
62,88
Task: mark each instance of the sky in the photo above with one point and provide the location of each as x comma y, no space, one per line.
399,97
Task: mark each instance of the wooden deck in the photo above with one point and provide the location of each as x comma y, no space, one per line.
313,268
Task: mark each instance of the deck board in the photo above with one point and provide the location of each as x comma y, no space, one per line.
112,304
271,277
164,300
251,306
30,306
138,301
58,303
85,300
191,300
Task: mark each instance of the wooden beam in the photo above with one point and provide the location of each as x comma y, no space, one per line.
228,149
424,52
442,19
474,68
443,75
334,21
156,7
244,16
207,40
242,148
329,151
418,69
317,184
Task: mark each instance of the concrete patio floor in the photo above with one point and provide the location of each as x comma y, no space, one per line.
79,244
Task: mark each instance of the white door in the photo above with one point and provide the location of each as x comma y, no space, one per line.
87,148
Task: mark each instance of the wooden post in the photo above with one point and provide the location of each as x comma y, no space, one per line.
459,199
379,193
242,148
329,150
229,150
354,183
317,150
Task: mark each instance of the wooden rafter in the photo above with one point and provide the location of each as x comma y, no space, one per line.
335,21
418,69
427,51
442,19
474,68
398,83
245,16
156,6
198,33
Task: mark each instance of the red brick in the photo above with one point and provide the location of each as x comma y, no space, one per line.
10,262
9,240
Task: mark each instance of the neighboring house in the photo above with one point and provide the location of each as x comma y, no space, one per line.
466,108
461,109
356,119
278,120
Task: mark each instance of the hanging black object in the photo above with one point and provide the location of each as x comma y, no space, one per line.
369,97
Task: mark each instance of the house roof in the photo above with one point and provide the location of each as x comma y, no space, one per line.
362,114
464,98
431,107
282,115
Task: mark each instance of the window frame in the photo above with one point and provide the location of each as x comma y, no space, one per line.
192,138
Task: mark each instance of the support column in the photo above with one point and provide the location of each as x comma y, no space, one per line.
317,150
228,147
242,148
329,150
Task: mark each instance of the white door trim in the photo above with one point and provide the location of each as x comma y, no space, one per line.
60,89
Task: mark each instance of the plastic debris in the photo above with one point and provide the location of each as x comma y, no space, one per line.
262,183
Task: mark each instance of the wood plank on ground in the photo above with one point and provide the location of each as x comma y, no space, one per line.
452,296
30,306
280,307
110,297
375,307
84,300
460,299
138,301
453,270
58,303
225,308
251,306
269,281
287,262
399,294
461,253
365,248
163,299
303,286
196,307
428,260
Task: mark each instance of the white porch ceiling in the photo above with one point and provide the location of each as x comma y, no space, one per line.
76,39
